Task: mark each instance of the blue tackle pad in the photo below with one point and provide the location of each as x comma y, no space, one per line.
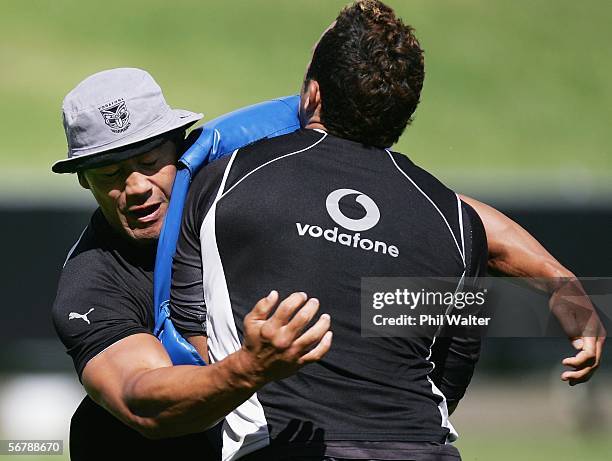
217,138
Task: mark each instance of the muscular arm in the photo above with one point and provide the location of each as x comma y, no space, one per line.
134,378
512,250
515,252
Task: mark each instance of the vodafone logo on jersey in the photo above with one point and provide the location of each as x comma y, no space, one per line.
370,219
356,225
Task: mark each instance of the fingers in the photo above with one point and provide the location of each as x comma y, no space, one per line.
586,357
280,337
287,308
578,343
319,351
290,318
264,307
577,377
303,317
585,362
314,334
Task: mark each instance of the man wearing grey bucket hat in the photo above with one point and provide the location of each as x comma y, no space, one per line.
119,118
123,143
114,115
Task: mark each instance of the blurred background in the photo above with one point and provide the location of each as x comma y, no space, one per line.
516,111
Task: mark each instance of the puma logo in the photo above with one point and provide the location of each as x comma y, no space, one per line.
76,315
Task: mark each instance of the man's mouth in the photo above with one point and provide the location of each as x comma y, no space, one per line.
145,213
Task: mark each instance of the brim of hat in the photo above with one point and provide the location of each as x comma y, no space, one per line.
136,144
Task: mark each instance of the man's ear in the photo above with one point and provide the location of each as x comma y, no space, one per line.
312,95
83,180
310,105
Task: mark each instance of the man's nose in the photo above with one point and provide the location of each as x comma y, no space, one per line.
137,184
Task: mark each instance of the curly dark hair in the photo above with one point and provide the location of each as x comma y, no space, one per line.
370,71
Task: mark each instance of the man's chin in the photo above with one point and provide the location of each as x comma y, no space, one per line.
144,235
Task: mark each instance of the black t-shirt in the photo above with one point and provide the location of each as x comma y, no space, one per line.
105,294
313,212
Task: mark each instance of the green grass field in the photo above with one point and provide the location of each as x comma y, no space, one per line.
522,87
535,447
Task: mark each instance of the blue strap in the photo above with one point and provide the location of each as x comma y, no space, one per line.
216,139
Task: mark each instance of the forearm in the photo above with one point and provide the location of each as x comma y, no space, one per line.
178,400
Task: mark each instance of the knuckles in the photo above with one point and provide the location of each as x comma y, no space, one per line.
282,342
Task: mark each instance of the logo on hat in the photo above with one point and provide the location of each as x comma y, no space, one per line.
116,115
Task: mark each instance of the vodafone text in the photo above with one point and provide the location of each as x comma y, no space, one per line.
350,240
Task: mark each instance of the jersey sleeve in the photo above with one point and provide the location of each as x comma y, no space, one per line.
187,304
90,313
456,353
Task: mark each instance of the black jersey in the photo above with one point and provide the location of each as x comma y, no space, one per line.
315,213
105,294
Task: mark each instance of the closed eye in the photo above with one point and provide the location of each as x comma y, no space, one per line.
110,174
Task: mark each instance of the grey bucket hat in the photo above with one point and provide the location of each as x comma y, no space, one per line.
114,115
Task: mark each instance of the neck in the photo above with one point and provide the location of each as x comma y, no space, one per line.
315,125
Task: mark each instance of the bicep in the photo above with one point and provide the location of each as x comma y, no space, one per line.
493,220
107,377
497,225
90,317
512,250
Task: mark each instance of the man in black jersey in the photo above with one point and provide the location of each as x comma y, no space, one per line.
103,312
317,210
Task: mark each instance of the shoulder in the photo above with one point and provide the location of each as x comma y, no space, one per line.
434,191
93,308
428,184
85,261
87,281
267,151
96,302
211,174
228,170
91,260
476,237
281,145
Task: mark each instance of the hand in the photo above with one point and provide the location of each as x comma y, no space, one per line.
276,346
576,314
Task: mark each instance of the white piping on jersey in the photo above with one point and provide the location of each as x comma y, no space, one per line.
461,253
460,213
268,163
443,407
228,167
244,429
74,247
